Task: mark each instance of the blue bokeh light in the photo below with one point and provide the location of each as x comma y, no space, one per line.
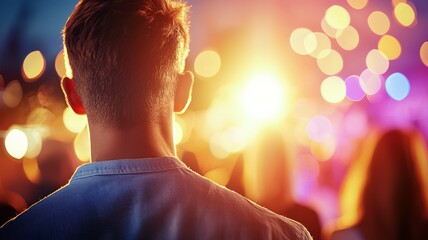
397,86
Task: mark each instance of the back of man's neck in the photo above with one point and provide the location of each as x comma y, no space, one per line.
136,142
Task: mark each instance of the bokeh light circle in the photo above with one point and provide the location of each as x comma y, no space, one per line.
357,4
331,32
404,14
207,64
337,17
390,46
12,94
33,66
16,143
297,40
354,92
348,38
332,63
323,46
60,64
397,86
377,62
74,122
370,82
319,129
379,22
424,53
333,89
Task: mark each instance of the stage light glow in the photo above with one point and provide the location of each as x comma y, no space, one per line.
390,46
424,53
404,14
207,64
12,94
354,92
331,64
370,82
298,38
357,4
33,66
348,38
397,86
16,142
337,17
379,23
319,129
81,146
331,32
263,98
60,64
333,89
74,122
323,45
377,62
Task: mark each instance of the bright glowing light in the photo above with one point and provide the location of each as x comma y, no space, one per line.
319,129
337,17
31,170
263,98
390,46
178,132
12,94
333,89
328,29
33,66
404,14
60,64
217,148
207,64
357,4
348,38
424,53
353,88
310,42
218,175
16,143
379,22
377,62
323,46
82,146
298,38
397,86
331,64
34,143
72,121
370,82
323,151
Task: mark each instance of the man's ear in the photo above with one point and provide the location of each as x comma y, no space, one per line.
71,96
183,92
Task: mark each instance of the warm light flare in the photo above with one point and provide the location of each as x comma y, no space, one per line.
33,66
16,143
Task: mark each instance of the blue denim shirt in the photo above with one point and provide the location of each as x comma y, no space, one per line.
157,198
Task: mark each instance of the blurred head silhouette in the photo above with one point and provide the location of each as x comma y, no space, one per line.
393,199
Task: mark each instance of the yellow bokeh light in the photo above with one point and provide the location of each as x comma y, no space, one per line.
82,146
218,175
12,94
377,62
337,17
325,150
263,98
72,121
207,64
390,46
34,143
333,89
298,40
16,143
328,29
323,46
331,64
424,53
31,170
379,22
348,38
404,14
60,64
33,66
357,4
